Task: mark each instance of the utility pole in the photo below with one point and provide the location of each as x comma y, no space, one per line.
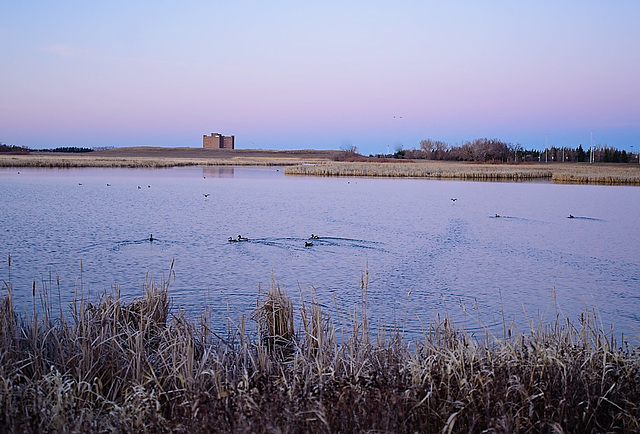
546,149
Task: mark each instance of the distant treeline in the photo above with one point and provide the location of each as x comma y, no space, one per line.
12,149
487,150
66,149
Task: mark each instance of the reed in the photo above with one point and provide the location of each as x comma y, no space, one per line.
140,366
599,174
161,161
611,174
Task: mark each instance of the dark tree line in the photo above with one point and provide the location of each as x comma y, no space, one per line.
12,149
495,150
67,149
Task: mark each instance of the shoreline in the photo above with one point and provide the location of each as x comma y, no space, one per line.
156,157
560,173
323,163
139,366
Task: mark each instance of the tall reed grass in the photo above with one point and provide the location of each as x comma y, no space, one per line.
68,161
613,174
141,366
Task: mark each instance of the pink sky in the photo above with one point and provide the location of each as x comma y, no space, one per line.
373,74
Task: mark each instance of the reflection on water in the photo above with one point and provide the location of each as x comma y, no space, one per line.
425,254
217,171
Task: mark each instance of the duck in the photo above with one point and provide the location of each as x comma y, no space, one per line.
570,216
308,244
241,238
314,237
497,216
232,240
151,239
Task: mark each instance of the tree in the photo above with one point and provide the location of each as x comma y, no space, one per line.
435,149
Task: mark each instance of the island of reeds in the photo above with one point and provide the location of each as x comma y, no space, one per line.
569,173
485,166
109,365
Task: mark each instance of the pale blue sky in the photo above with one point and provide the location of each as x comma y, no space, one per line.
291,75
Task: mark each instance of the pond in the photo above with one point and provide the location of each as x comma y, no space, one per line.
424,254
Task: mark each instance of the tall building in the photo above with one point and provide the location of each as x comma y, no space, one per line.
218,141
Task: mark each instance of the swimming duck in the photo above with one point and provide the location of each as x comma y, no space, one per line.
232,240
570,216
497,215
314,237
241,238
308,244
151,239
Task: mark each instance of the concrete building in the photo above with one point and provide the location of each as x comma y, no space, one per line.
218,141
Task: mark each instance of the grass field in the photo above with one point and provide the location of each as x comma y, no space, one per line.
150,157
322,163
139,366
577,173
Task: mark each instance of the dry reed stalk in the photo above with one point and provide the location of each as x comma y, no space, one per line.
275,321
132,367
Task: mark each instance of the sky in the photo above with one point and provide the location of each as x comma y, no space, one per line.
378,75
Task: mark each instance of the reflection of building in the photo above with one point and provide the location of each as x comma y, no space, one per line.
218,141
217,172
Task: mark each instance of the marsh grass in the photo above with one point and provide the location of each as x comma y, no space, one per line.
318,164
612,174
140,366
155,158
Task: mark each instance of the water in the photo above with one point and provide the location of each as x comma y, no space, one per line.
426,255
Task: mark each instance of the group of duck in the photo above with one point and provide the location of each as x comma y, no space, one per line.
241,238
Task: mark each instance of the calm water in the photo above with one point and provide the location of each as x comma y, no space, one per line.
425,254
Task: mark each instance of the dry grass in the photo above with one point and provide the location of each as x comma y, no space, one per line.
150,157
619,174
320,163
114,366
605,174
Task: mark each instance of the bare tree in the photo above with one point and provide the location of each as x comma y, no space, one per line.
434,149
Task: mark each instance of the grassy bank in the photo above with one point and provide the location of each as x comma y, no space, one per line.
155,157
579,173
67,161
320,163
139,366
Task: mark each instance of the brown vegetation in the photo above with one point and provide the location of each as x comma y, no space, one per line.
334,163
114,366
156,157
618,174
